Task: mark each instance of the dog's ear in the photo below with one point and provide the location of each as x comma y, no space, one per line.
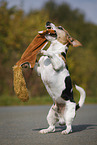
73,42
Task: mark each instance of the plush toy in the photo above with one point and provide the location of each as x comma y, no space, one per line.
29,56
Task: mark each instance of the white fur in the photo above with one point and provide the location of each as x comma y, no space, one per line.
52,69
82,95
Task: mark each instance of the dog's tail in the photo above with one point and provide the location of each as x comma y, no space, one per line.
82,97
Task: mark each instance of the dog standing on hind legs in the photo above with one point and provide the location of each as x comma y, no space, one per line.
54,73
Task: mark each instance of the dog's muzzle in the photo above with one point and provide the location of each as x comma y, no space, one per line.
54,35
48,25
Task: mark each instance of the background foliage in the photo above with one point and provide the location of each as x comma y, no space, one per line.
18,29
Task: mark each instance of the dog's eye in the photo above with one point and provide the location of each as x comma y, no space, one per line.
60,27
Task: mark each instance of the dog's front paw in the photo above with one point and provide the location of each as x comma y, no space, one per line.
47,53
66,132
44,52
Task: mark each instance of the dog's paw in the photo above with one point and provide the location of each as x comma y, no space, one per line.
44,52
43,131
66,132
48,130
47,53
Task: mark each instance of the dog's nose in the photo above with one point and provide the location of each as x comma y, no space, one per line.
48,23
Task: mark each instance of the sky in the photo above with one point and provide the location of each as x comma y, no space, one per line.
88,7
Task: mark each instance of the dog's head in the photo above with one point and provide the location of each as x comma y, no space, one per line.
61,35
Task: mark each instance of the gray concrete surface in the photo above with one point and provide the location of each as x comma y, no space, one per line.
20,126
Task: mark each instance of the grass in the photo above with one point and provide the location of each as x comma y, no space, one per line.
14,101
6,100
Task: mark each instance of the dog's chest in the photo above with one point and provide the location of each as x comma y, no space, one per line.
48,74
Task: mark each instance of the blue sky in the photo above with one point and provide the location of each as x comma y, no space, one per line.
89,7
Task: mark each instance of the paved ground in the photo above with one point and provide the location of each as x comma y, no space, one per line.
20,126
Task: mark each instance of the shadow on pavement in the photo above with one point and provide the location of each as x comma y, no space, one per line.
75,128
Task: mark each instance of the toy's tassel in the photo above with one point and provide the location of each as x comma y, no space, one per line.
20,84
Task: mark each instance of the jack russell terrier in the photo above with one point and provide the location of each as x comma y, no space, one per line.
54,73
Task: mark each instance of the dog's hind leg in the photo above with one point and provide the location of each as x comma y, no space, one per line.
52,118
69,116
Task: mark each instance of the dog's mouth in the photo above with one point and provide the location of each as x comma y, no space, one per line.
48,27
53,35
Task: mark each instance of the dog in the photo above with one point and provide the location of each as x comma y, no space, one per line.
55,75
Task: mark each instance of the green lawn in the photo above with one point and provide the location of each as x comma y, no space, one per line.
44,100
14,101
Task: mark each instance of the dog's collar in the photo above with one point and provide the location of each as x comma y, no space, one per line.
63,58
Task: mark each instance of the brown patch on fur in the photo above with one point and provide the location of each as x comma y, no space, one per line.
59,108
62,58
64,37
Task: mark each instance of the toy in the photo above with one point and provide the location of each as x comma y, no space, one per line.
29,57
